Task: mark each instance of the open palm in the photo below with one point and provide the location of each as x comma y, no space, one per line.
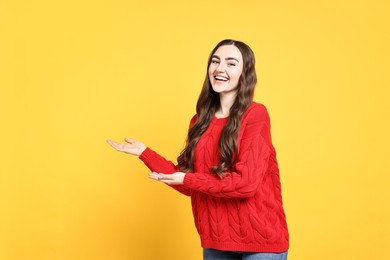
131,146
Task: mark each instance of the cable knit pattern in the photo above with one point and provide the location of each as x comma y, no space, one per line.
243,211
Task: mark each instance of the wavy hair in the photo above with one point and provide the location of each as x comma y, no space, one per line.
208,104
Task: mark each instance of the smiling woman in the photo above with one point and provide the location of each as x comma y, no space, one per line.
228,165
224,72
73,73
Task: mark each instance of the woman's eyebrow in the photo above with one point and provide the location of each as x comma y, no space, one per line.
228,58
231,58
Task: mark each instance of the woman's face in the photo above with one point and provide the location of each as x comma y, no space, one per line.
225,69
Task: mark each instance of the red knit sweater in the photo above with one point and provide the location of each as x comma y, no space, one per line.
243,211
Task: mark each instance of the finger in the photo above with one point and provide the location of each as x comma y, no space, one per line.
162,176
154,176
117,146
156,179
129,140
112,143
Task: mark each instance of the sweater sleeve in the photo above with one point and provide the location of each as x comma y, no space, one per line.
254,154
157,163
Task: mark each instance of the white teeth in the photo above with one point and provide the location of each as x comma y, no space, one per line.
221,78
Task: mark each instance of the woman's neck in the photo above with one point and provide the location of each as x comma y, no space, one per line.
226,102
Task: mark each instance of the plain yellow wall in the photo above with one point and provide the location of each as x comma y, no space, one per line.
75,73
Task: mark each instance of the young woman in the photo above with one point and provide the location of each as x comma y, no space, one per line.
228,165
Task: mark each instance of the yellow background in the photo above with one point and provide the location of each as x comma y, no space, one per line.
75,73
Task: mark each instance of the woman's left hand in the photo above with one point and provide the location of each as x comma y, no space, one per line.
170,179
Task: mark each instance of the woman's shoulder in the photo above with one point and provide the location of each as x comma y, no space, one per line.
256,111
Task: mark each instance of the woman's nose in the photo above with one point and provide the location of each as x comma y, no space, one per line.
221,67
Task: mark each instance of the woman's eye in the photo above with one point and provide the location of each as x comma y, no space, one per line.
232,64
214,61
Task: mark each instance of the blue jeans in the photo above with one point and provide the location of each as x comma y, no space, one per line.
212,254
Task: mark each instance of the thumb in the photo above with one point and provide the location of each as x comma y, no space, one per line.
129,140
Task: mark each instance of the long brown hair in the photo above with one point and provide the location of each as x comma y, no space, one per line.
209,103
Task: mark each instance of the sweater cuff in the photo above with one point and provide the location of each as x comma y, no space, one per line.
188,179
146,154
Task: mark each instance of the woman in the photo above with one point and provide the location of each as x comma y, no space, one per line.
228,165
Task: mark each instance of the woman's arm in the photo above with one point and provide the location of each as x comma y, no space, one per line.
157,163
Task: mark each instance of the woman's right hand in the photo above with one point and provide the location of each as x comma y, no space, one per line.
131,146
